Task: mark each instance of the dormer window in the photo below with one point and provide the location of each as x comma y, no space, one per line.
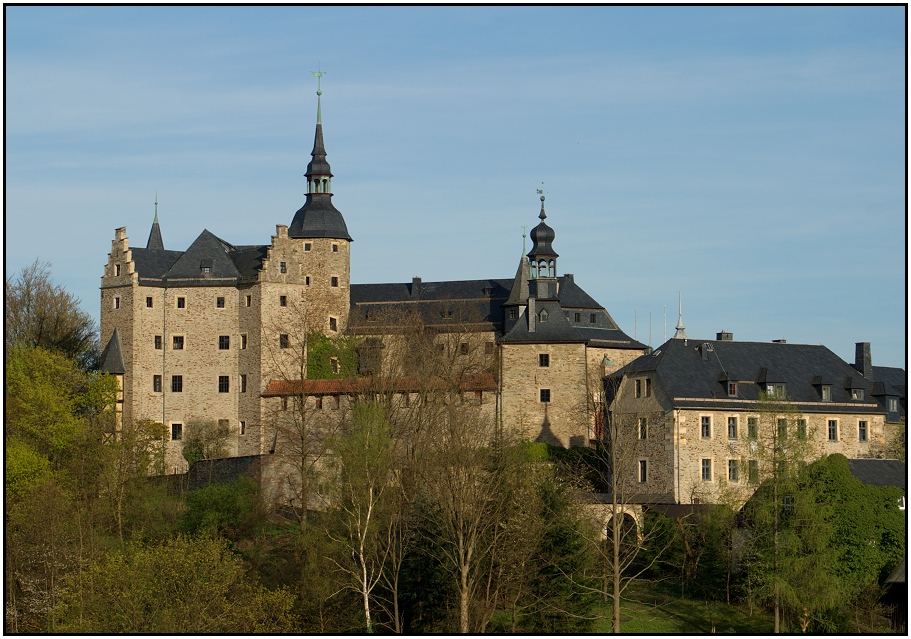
857,394
732,389
542,316
893,405
513,313
775,390
826,393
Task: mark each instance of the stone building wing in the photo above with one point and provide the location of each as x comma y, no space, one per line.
111,356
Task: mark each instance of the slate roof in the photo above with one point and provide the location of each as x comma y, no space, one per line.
556,329
318,217
111,357
155,242
879,472
153,263
518,293
893,380
680,370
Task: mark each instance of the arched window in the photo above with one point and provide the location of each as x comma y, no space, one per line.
542,316
542,268
534,270
552,269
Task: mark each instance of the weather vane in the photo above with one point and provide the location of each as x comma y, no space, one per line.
541,191
318,74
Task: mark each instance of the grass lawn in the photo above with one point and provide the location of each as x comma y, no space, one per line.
655,611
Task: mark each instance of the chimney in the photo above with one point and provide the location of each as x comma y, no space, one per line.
568,277
863,361
724,336
780,341
704,349
415,287
281,230
531,315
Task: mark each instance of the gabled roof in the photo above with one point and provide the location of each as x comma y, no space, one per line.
572,296
879,472
694,369
153,263
111,357
894,380
206,250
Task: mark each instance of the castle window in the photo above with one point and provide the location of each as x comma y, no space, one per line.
752,427
544,360
857,394
284,403
158,342
643,428
638,388
545,395
307,246
826,391
176,383
243,383
578,317
463,348
336,402
334,365
705,426
732,389
833,430
732,428
733,471
333,324
334,281
116,270
753,471
243,427
542,316
801,429
156,383
219,302
283,267
224,383
116,301
243,342
513,313
782,428
249,300
307,280
862,431
706,470
319,403
283,341
176,432
648,386
488,348
592,318
893,405
177,342
148,302
224,342
643,471
181,302
775,390
282,300
335,248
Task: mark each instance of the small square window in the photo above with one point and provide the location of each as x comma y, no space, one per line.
224,383
705,423
319,403
283,267
158,342
706,470
643,471
544,360
857,394
181,302
862,431
243,427
752,427
545,395
801,429
488,348
219,302
307,280
753,471
176,383
243,383
335,248
177,342
334,281
307,246
832,427
117,270
224,342
732,389
282,300
249,300
284,403
116,301
733,470
243,342
893,405
336,402
513,313
593,318
463,348
205,269
283,341
643,428
732,428
148,302
333,324
826,393
156,383
334,365
176,432
577,317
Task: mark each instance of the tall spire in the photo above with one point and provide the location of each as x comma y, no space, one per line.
155,241
681,329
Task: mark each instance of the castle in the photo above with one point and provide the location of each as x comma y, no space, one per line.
216,332
219,332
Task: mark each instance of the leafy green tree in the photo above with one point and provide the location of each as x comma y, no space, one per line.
230,510
183,585
205,439
330,358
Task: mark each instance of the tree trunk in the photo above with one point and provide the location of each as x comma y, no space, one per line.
616,573
463,601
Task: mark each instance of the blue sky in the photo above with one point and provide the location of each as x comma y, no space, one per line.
752,158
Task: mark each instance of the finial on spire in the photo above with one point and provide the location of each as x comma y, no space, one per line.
681,329
542,214
155,221
318,74
523,239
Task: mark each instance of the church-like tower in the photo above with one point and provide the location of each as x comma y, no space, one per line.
542,260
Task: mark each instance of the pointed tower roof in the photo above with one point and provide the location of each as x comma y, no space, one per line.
518,294
318,165
542,236
111,357
155,241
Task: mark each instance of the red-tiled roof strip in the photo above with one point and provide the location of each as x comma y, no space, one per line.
353,385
